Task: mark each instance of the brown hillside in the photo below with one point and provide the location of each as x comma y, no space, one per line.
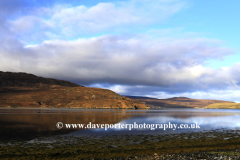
24,81
27,90
224,106
177,102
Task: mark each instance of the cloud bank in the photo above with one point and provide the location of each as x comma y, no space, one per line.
175,65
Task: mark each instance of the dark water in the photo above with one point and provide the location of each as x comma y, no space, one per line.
32,123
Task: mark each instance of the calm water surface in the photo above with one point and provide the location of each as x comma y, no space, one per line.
31,123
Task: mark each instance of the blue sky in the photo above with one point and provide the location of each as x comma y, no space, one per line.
214,19
157,48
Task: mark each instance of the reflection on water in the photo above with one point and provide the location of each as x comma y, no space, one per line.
206,119
30,123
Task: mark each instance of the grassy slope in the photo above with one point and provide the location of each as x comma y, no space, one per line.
224,106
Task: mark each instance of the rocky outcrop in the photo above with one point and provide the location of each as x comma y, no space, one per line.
27,90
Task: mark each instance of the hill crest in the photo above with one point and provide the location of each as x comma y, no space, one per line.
25,81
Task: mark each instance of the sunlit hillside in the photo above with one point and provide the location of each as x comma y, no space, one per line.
224,105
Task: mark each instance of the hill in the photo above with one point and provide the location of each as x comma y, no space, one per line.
27,90
23,81
224,106
179,102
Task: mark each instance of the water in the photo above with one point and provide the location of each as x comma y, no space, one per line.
32,123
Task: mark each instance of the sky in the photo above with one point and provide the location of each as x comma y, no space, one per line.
155,48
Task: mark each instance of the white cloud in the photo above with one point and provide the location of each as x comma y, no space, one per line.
65,21
80,19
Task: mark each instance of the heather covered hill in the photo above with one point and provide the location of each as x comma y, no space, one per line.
27,90
179,102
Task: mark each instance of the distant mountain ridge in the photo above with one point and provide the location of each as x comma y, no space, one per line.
178,102
28,90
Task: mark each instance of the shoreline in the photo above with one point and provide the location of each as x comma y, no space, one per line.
124,146
110,108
